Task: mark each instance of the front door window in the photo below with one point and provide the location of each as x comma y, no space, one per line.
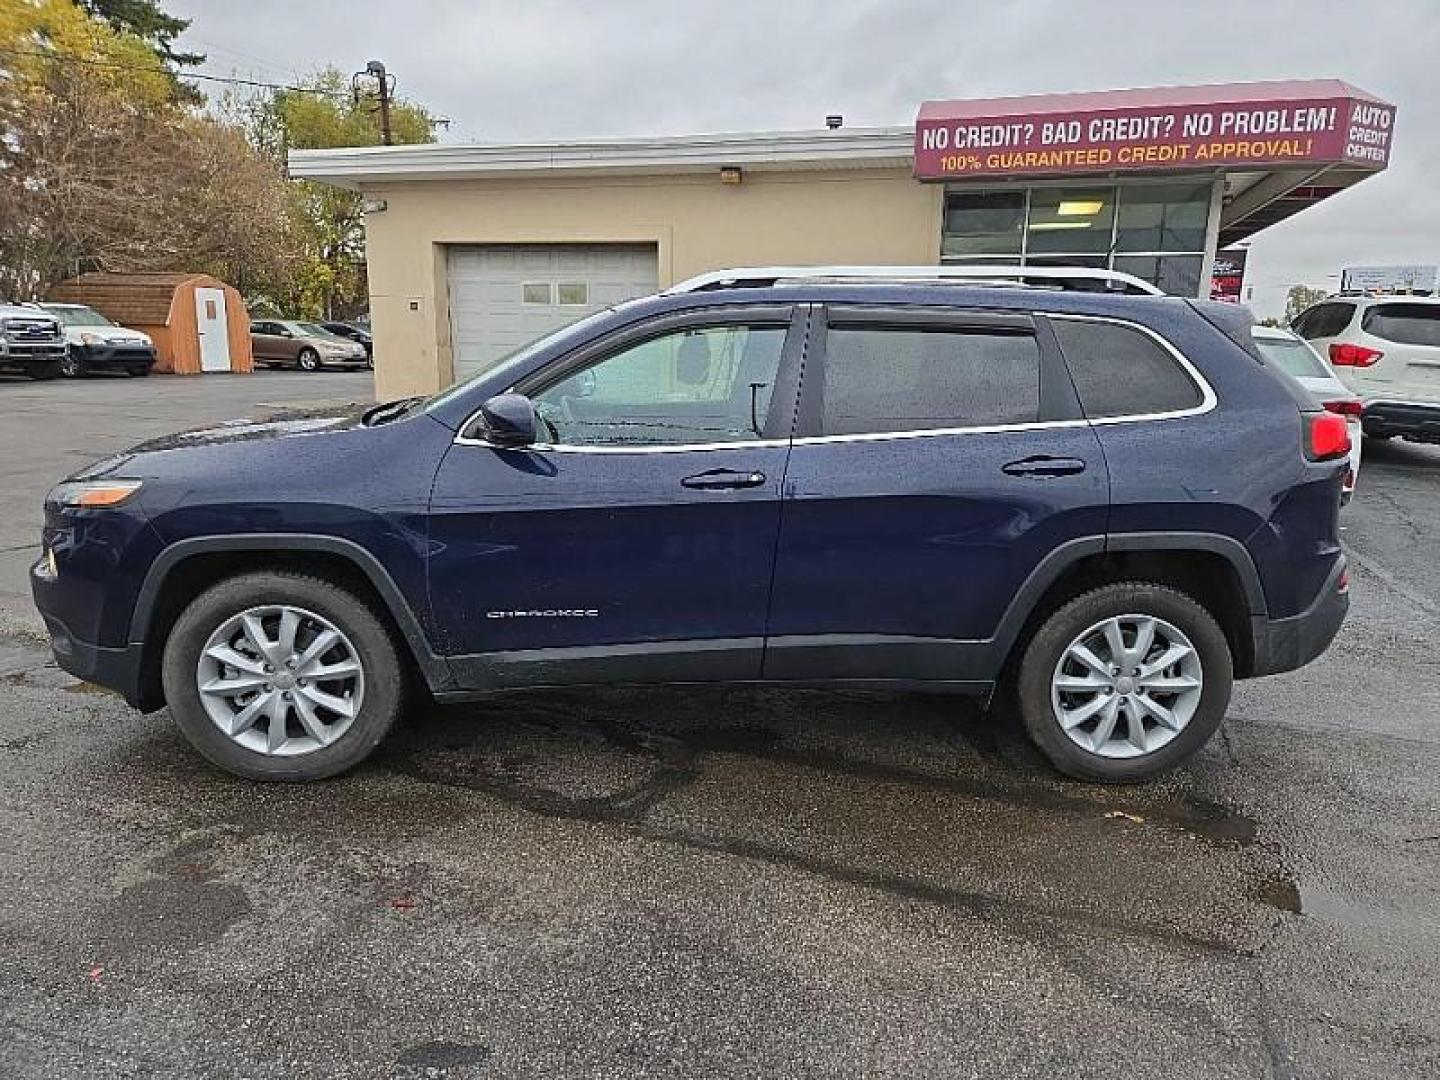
696,386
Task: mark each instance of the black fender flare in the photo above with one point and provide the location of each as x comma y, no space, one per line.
1051,568
432,666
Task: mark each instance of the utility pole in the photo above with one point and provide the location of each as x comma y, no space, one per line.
385,84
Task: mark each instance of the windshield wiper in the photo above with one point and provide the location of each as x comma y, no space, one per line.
391,410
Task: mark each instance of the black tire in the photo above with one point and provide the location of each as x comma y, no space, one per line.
38,372
72,367
308,360
379,654
138,372
1043,654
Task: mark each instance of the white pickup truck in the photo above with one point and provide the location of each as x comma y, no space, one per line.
31,341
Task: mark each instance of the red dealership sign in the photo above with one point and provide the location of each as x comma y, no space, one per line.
1176,128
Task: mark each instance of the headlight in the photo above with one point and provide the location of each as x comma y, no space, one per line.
92,493
92,339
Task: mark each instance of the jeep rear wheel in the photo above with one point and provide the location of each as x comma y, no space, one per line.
1125,682
279,676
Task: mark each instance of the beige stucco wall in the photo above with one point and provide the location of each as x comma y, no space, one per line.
698,224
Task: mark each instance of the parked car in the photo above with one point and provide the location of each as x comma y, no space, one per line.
31,341
306,345
94,343
1294,355
1387,350
1107,504
353,332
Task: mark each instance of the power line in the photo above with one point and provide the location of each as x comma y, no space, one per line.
156,70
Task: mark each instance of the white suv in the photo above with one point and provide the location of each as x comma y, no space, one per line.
1387,350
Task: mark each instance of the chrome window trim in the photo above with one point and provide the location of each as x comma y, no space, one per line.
1208,402
571,448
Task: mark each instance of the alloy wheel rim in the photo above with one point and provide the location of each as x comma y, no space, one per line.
1127,686
280,680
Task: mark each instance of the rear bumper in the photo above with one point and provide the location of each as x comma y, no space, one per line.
1287,644
1412,420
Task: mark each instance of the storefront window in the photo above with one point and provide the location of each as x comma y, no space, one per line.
1162,217
1155,231
983,223
1178,275
1070,220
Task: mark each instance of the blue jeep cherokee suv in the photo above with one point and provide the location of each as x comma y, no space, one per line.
1110,505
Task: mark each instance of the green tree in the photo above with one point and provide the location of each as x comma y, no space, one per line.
329,222
1299,298
144,20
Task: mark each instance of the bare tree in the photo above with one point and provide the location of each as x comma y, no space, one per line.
92,177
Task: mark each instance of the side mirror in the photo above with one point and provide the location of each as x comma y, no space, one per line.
509,420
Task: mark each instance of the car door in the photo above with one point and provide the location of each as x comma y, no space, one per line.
636,543
940,457
259,339
267,341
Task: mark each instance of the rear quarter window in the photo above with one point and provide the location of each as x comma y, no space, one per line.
1121,371
1404,324
1324,321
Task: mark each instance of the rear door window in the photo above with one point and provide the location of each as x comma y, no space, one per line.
880,379
1122,371
1324,321
1404,324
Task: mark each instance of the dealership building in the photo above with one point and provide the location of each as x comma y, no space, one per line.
475,249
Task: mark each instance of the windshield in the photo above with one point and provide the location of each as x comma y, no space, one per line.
518,356
310,329
1293,356
79,315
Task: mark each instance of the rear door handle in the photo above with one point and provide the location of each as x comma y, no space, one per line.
723,479
1044,465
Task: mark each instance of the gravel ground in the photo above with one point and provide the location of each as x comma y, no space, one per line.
721,882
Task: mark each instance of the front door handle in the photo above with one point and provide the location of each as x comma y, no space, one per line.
723,480
1044,465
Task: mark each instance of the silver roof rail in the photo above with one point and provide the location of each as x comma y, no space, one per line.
976,273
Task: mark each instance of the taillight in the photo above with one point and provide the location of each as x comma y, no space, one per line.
1348,355
1327,436
1346,407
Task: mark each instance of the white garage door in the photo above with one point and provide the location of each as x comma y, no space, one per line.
505,295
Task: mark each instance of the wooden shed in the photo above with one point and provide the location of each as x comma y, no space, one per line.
198,324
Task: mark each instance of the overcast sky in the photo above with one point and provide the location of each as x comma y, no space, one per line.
556,69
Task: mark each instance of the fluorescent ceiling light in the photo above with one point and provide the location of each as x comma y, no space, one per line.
1080,207
1038,226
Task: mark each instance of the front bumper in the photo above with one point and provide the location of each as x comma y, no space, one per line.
1413,420
23,354
123,357
1287,644
115,669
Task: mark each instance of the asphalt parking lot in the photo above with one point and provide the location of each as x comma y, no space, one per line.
720,883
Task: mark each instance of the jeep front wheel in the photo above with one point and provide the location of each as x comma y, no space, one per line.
279,676
1124,682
